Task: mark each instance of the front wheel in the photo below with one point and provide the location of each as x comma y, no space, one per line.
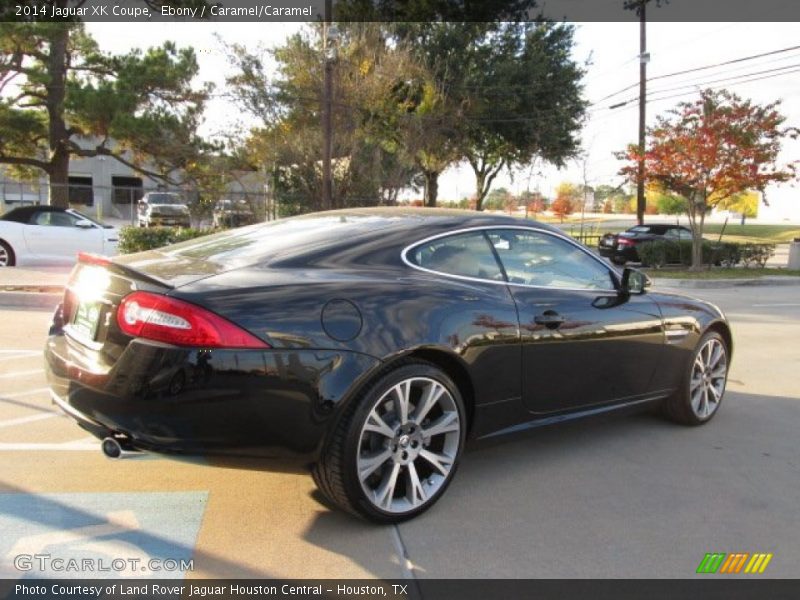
395,450
703,385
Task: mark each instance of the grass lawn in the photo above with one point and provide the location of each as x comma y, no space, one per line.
720,273
753,233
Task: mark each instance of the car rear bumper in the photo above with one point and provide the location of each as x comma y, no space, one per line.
275,403
607,251
629,253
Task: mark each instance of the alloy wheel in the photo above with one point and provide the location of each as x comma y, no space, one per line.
408,445
707,383
4,256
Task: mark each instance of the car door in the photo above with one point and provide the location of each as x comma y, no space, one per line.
582,343
54,236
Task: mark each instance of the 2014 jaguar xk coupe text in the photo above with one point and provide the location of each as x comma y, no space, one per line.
372,344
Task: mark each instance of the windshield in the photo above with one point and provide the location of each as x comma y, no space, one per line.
164,198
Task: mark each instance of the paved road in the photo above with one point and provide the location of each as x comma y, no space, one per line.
621,497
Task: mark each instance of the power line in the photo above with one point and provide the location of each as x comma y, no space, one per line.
714,81
695,69
611,114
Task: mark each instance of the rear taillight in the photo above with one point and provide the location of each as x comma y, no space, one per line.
164,319
625,242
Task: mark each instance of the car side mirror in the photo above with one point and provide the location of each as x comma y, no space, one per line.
633,282
84,224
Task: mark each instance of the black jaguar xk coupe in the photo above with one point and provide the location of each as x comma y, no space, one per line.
372,344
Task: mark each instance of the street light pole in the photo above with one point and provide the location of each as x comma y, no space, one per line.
643,59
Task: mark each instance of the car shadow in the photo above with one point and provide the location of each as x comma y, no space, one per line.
627,496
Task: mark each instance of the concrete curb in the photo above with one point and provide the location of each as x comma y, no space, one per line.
35,288
30,300
725,283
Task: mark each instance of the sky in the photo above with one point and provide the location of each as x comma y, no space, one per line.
609,52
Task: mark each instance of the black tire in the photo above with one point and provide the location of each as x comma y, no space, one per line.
618,260
7,255
680,406
336,474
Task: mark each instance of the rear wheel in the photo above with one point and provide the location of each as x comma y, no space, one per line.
395,450
703,386
7,258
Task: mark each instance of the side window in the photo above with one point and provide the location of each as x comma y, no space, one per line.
55,219
464,254
533,258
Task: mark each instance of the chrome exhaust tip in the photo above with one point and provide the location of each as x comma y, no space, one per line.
118,446
111,448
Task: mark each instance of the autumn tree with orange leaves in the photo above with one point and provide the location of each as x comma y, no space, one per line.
711,149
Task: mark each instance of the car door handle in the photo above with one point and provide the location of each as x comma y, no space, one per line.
550,319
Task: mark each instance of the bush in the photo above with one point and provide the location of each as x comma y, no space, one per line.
137,239
665,252
757,254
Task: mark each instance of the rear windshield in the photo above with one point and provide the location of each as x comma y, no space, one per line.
286,238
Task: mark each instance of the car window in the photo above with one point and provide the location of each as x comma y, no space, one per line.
640,229
678,233
55,219
463,254
534,258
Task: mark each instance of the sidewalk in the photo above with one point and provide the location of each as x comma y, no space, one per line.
34,279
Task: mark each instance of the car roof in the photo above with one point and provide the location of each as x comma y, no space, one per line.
23,214
373,236
390,218
660,226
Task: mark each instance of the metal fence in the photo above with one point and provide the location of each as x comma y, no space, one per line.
120,203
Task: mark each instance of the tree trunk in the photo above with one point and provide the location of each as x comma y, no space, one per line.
480,193
59,180
431,188
57,129
697,222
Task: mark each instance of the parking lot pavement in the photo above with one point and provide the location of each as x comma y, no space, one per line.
618,497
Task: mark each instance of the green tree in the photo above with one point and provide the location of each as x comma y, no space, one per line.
367,166
522,94
663,202
497,198
64,97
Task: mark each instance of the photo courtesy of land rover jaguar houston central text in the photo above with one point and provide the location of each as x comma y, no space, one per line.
372,345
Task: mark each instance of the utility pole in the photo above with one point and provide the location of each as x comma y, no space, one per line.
327,106
644,57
